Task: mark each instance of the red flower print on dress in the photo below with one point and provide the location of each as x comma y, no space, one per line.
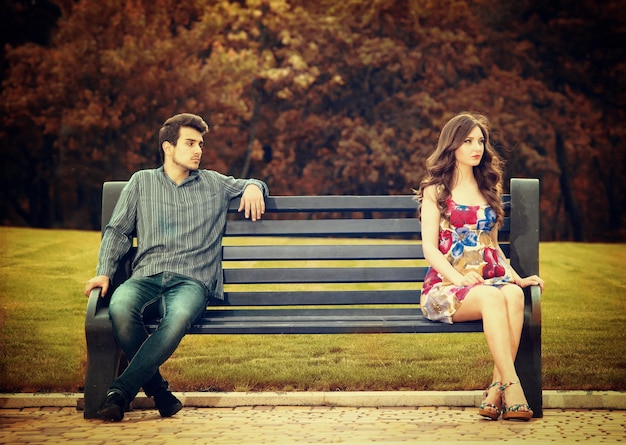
431,278
461,215
445,241
493,268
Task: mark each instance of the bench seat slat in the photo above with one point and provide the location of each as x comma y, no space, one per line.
330,252
322,297
334,328
325,275
303,321
324,227
304,311
322,326
321,252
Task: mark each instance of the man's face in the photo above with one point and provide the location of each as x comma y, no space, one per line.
188,149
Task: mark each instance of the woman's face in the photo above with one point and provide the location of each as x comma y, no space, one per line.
471,150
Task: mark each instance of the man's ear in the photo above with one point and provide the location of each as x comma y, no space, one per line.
167,147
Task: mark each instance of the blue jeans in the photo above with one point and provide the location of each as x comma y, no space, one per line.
177,300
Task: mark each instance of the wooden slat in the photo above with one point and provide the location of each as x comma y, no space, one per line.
506,225
336,203
330,252
418,327
319,321
343,203
327,227
304,313
323,227
326,298
325,275
322,326
323,252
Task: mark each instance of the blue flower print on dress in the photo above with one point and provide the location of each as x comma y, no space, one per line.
465,241
489,222
463,237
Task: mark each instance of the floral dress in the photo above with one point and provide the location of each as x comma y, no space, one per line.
465,240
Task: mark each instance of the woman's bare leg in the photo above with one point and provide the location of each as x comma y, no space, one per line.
502,327
488,303
514,300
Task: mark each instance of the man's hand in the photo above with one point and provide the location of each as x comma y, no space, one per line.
253,202
99,281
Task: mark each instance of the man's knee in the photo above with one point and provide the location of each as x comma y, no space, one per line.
126,302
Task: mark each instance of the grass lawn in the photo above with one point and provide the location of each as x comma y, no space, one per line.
42,346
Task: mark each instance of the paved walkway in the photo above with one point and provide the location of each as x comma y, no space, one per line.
308,425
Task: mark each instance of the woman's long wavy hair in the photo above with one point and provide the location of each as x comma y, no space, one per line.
441,165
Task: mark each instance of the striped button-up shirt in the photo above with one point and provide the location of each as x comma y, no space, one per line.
179,227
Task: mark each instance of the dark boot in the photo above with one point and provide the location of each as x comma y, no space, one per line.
164,400
113,407
167,403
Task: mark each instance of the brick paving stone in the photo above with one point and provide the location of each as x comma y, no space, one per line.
302,425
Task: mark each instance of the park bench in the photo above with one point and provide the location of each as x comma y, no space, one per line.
371,242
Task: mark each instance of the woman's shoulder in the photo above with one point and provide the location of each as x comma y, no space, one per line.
432,192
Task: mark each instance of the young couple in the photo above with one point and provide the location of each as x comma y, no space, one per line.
178,212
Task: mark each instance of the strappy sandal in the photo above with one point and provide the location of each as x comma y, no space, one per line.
490,410
521,411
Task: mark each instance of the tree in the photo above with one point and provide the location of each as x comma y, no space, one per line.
572,47
316,98
98,94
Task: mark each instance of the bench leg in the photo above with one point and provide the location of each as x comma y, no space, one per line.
103,355
103,362
525,215
528,361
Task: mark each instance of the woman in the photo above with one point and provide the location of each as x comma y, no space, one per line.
469,277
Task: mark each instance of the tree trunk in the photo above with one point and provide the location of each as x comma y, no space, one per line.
572,209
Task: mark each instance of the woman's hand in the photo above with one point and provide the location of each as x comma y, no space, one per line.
530,281
471,278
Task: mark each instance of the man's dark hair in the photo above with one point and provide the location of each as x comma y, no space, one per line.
171,128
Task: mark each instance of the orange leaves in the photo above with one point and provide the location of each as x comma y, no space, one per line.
326,96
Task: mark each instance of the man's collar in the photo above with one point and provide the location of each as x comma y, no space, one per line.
193,175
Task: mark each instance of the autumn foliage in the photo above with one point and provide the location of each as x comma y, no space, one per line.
321,97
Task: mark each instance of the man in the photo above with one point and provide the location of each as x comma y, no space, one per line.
178,213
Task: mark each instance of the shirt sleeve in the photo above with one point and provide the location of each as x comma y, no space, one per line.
260,184
235,187
116,240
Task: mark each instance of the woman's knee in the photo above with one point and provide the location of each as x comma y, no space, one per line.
513,295
488,295
478,301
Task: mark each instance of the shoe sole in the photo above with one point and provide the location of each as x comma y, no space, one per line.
489,414
111,413
518,416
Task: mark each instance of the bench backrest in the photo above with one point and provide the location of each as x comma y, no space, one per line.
345,250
